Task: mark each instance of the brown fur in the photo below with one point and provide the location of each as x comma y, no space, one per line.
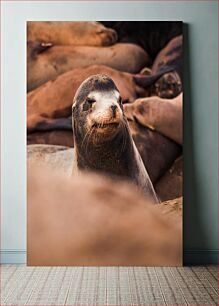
170,185
162,115
169,54
71,33
43,66
62,138
109,149
54,99
168,86
157,151
91,220
165,78
172,208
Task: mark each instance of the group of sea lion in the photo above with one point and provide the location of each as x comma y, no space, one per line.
113,95
106,100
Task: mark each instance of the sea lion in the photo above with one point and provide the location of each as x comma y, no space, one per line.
165,79
162,115
53,100
170,185
45,61
157,151
102,139
78,33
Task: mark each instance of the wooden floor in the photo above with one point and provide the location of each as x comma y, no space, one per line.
23,285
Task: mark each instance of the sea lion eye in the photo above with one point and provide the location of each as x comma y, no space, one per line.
91,100
88,103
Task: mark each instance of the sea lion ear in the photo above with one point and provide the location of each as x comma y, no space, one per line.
146,71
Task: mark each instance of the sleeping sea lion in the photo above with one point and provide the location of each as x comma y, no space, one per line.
166,77
45,61
77,33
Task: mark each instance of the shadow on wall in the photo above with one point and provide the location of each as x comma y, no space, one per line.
192,224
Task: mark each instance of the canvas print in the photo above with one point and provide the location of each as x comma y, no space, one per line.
104,143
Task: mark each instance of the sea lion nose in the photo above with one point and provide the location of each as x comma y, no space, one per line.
114,107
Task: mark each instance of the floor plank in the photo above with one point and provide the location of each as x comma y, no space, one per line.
21,285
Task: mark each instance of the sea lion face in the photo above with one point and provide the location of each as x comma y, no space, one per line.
97,109
168,86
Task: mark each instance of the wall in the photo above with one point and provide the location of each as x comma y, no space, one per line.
200,112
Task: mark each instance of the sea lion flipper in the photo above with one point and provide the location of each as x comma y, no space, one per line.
148,80
145,80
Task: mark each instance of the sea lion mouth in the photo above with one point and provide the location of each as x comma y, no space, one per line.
105,125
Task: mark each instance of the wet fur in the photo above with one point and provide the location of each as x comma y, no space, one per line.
45,62
114,153
166,70
53,99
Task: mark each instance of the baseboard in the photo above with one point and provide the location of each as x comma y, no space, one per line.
200,257
12,256
191,257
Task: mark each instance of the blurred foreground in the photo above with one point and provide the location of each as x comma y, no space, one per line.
91,220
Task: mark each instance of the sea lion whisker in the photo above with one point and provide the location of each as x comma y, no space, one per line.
84,139
123,138
89,135
125,133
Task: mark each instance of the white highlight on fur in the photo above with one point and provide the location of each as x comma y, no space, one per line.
102,111
144,180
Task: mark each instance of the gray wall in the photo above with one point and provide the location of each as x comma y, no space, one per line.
200,112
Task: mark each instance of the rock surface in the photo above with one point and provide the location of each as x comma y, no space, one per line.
56,157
